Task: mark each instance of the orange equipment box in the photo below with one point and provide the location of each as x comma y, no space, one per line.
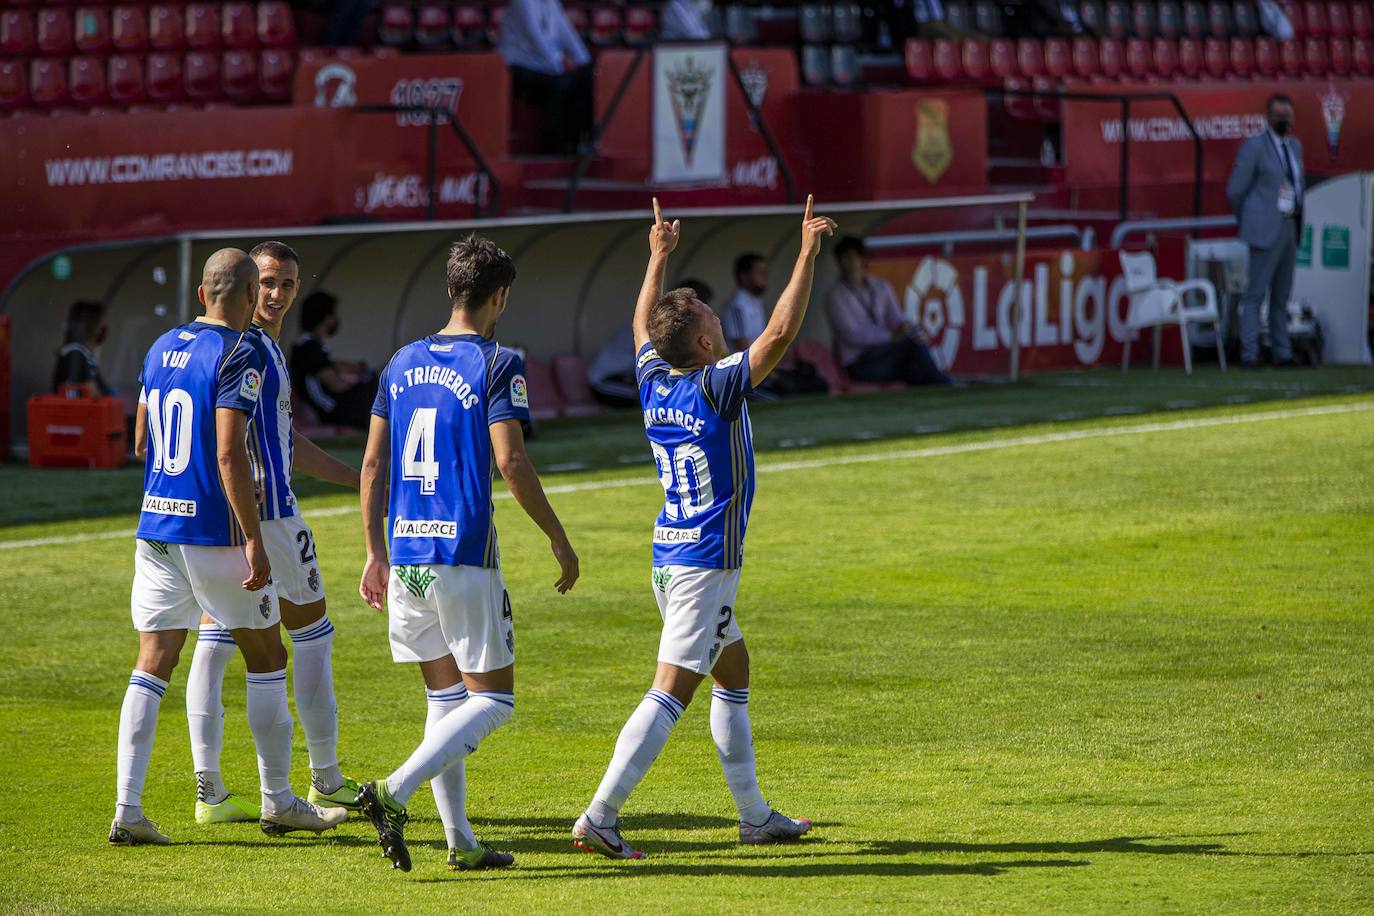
76,432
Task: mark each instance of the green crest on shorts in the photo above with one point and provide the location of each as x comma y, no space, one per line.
661,579
416,579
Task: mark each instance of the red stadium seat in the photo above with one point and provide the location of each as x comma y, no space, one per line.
570,374
1169,19
469,25
1362,56
239,72
1058,59
397,27
920,60
1266,57
819,355
1001,59
1339,57
14,85
1093,16
578,19
92,29
1189,58
974,59
605,26
86,81
275,70
640,26
1194,19
1219,24
203,27
16,33
1118,22
1030,57
124,77
1216,58
1242,58
1085,57
164,82
166,27
1139,66
1362,20
202,74
432,27
494,17
1245,18
54,32
1295,17
1109,60
48,82
543,393
129,28
1290,57
238,28
1314,61
948,67
1165,53
1314,14
1338,20
276,28
1144,23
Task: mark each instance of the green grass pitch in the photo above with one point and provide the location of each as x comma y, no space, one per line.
1005,669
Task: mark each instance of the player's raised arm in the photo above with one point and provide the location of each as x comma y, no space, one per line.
237,473
375,474
662,240
309,458
786,321
508,448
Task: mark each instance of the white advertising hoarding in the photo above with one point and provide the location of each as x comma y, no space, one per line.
1333,264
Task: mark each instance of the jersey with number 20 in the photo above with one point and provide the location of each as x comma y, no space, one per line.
190,372
703,445
439,395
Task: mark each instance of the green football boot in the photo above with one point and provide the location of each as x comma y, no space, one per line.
345,796
389,817
479,858
231,810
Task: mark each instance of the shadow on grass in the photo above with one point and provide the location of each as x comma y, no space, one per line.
651,821
774,869
1132,844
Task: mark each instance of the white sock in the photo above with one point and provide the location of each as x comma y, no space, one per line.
137,726
205,710
313,682
450,787
640,742
269,719
735,745
451,739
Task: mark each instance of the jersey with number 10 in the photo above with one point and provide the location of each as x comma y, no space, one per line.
439,395
191,372
703,445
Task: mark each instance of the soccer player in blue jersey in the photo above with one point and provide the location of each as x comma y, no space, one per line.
275,450
449,407
692,390
200,545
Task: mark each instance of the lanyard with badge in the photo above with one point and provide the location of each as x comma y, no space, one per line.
1288,195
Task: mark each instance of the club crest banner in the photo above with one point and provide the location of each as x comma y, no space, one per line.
689,113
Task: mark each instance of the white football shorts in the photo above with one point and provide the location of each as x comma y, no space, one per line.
463,611
698,610
173,583
291,551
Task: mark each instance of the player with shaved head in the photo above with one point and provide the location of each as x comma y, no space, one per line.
200,545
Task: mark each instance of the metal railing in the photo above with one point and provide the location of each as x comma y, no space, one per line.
948,240
1124,99
436,116
1132,226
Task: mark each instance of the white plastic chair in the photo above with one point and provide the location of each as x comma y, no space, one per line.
1155,303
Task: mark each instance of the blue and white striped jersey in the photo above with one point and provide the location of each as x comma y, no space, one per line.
272,446
191,372
703,445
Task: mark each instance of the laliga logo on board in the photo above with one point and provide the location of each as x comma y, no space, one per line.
934,303
336,87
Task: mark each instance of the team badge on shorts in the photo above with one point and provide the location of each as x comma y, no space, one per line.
661,579
510,641
715,650
265,609
313,579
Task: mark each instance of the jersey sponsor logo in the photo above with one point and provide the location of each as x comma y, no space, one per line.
162,505
416,579
647,357
250,386
661,577
187,335
424,528
284,405
663,390
676,535
519,395
441,348
731,360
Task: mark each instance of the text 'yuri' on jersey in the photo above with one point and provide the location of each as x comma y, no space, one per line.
439,395
191,372
703,445
272,446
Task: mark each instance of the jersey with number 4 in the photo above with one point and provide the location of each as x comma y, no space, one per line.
191,372
439,395
703,445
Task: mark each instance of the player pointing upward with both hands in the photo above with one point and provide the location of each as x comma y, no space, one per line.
692,390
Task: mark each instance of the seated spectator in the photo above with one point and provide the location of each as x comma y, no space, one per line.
873,341
76,362
682,20
611,375
549,67
743,319
340,393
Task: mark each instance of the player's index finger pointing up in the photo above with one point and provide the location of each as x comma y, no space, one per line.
658,214
808,207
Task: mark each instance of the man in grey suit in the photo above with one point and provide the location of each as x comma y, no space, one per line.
1266,192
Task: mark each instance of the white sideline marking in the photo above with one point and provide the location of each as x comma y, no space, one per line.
935,451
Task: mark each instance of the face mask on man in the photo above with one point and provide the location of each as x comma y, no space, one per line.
1282,126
